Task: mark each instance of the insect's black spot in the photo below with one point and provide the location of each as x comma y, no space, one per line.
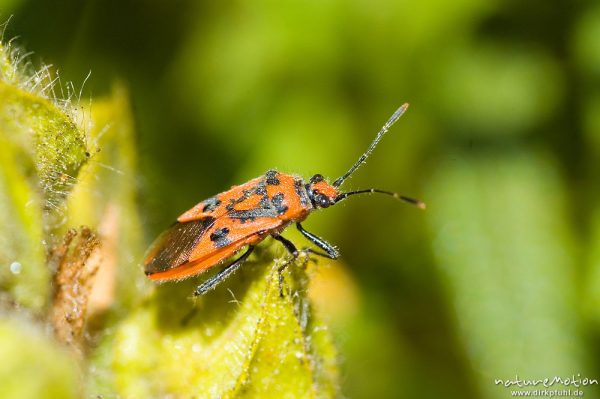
219,233
278,197
277,202
87,154
301,191
260,189
211,204
282,210
272,179
219,237
264,202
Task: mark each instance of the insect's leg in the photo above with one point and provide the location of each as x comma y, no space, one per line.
330,250
291,248
223,274
318,253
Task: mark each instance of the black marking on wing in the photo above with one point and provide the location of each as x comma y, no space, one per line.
272,179
301,191
251,214
211,204
261,188
264,202
277,201
265,207
219,237
173,247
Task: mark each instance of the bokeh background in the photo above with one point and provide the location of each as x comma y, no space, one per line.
499,277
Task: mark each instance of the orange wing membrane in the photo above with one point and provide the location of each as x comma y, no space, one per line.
173,247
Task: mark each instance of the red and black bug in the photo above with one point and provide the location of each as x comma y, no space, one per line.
221,226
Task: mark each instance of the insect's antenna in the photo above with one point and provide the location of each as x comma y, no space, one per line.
338,182
415,202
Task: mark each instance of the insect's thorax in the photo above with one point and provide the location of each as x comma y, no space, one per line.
289,197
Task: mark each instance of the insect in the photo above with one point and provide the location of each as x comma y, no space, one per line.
218,228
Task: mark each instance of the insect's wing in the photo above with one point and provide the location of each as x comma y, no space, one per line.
174,246
223,239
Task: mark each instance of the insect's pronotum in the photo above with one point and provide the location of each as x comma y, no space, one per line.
221,226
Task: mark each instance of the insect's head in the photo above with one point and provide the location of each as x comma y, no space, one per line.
321,193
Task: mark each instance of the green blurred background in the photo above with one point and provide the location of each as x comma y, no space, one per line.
499,277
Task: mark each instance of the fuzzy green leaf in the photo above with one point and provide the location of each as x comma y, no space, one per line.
49,142
40,147
32,366
245,340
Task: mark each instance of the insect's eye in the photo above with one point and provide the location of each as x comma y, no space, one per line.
323,201
316,178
